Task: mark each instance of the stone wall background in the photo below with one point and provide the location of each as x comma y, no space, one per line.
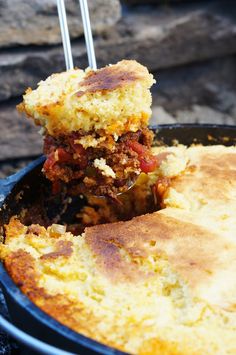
190,46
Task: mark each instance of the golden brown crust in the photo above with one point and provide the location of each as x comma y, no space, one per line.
214,175
112,77
197,238
63,248
22,268
195,252
162,283
15,227
115,99
161,347
122,255
20,264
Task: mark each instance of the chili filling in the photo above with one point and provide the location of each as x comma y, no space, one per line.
68,162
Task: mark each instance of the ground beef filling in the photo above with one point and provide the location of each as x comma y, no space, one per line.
68,162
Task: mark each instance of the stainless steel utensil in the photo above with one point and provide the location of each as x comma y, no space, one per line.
88,34
65,34
88,40
66,37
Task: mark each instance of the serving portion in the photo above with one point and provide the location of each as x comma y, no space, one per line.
95,127
161,283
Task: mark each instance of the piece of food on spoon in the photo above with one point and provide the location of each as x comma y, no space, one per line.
95,126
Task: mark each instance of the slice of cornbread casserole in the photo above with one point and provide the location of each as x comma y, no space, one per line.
95,126
161,283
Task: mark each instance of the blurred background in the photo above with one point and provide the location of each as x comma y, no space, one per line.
188,45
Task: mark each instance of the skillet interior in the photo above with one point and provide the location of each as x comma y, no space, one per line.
26,192
32,191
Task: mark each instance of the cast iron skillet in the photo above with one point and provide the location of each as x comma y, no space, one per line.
23,189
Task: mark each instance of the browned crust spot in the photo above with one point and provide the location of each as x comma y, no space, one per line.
108,78
193,251
63,248
15,227
214,177
22,268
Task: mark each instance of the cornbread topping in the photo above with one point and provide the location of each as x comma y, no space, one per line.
115,99
161,283
92,115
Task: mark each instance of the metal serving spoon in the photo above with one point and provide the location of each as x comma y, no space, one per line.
88,40
66,37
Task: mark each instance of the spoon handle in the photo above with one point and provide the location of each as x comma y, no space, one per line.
88,34
65,34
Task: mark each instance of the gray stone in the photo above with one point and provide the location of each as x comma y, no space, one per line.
19,137
11,166
211,83
159,39
36,21
203,114
154,2
161,116
195,114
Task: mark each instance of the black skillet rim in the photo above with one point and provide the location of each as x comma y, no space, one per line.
36,312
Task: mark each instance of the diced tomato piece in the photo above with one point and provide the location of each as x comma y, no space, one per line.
148,163
64,156
50,162
78,148
137,147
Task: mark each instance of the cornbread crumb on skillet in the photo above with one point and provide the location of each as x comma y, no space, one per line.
115,99
161,283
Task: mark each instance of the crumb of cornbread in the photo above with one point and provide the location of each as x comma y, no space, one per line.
115,99
175,162
105,169
89,141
